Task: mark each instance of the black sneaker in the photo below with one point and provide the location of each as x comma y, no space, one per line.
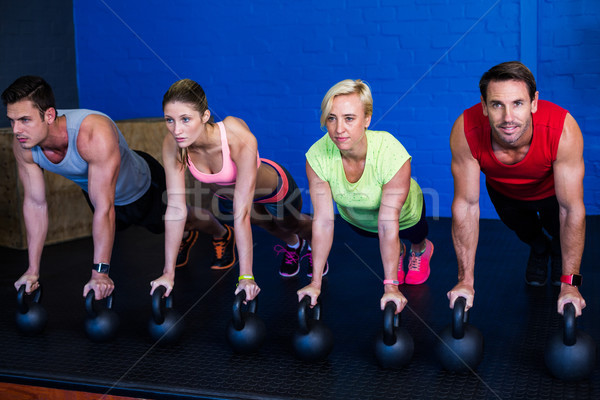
224,250
184,249
309,272
290,264
555,269
537,268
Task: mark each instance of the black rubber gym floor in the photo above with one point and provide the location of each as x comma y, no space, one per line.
515,320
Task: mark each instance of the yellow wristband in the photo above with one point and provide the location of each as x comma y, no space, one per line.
245,277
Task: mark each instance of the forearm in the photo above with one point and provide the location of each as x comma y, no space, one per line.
465,235
389,247
175,218
36,225
322,239
103,232
572,238
243,242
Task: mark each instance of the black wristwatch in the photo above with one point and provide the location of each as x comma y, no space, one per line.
103,268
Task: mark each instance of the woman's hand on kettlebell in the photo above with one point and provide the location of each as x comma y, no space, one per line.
570,294
462,290
251,288
165,280
29,280
393,294
101,284
313,290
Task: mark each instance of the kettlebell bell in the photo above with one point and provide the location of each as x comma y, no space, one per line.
461,347
313,340
31,317
570,354
101,323
166,324
246,331
394,346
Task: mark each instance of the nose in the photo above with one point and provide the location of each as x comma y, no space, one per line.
339,126
508,114
16,126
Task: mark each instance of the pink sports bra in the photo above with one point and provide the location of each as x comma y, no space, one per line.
228,173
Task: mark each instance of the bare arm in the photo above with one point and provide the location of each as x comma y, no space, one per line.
244,152
35,214
465,213
175,215
392,200
322,232
569,170
98,145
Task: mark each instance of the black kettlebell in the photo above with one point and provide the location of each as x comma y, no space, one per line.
31,317
101,323
461,347
570,354
394,347
246,331
166,324
313,340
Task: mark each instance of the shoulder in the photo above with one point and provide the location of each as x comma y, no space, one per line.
97,127
237,131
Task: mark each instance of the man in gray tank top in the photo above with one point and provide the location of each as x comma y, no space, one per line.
122,186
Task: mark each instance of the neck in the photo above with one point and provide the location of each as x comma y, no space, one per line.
58,137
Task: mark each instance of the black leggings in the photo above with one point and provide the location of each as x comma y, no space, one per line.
528,219
415,234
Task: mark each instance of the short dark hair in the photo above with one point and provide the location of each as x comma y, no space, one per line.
507,71
32,88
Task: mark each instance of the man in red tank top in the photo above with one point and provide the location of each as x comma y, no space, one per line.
531,153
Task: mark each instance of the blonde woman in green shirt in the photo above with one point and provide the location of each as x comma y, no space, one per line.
368,174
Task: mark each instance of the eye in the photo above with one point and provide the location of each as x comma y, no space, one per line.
330,118
185,119
169,120
349,119
518,103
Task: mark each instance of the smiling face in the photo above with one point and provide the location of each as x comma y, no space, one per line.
346,122
509,110
184,122
27,124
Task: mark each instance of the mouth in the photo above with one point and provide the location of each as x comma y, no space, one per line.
21,139
509,129
179,139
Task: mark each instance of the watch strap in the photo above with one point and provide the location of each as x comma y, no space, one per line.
573,280
102,268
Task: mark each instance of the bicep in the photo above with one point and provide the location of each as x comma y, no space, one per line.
465,168
320,195
394,193
31,176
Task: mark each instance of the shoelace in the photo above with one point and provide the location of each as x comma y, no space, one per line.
414,263
291,257
219,247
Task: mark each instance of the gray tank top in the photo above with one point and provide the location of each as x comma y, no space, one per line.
134,173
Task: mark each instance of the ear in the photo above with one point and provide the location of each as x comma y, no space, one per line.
367,121
50,115
205,116
534,102
484,106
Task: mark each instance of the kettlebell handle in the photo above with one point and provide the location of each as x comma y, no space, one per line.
391,321
238,321
159,303
90,304
459,318
570,333
303,308
21,304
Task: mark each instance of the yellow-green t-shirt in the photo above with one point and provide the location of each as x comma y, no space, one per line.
358,202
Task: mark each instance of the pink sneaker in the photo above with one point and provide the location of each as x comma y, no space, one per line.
418,265
401,263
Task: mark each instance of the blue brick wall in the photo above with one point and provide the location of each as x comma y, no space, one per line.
37,38
270,63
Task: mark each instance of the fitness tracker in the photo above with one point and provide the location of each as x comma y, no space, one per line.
103,268
573,280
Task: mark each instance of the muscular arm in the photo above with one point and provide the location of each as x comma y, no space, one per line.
568,180
465,213
98,145
35,213
244,152
392,200
322,232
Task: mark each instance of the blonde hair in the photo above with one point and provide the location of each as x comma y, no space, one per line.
347,86
189,92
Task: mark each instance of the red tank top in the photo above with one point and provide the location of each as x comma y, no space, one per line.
532,178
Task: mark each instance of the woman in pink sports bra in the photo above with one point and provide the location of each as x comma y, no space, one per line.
224,156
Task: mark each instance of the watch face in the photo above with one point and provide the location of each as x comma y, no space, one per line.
102,268
576,280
